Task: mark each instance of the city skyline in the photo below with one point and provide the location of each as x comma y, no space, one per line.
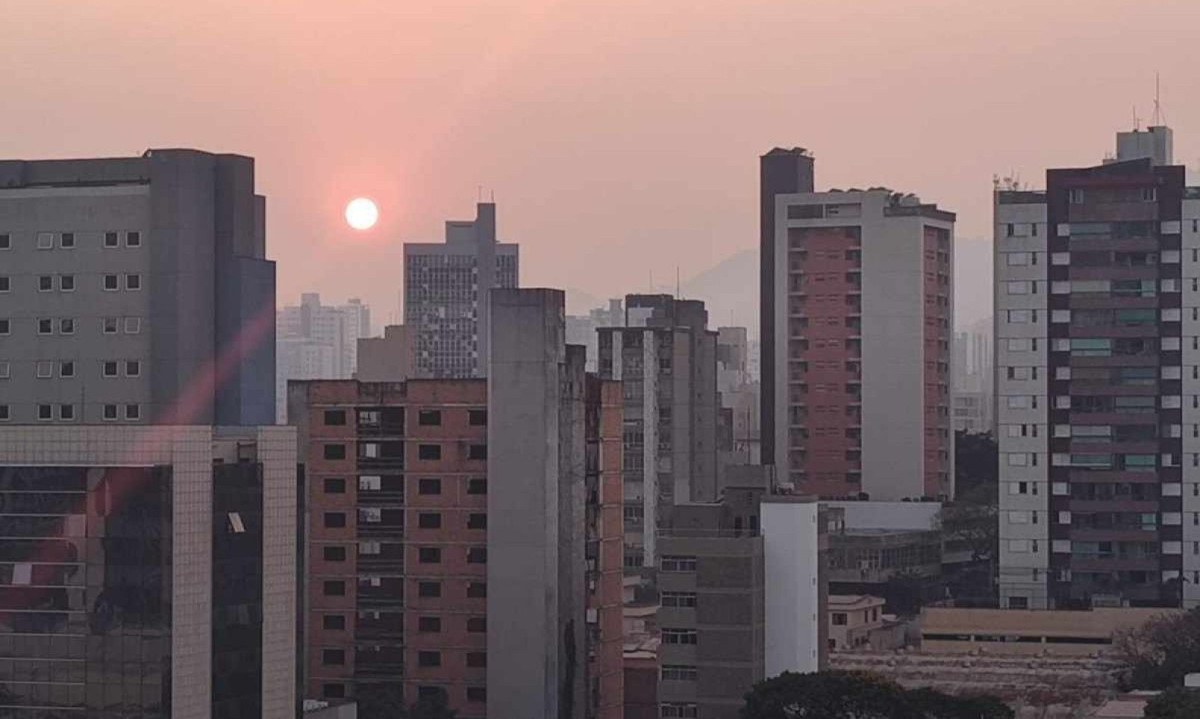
383,108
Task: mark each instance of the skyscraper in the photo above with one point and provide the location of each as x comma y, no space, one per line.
135,291
1096,337
446,290
856,342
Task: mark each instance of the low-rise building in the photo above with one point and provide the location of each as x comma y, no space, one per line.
857,621
1031,631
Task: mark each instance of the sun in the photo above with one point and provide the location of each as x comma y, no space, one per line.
362,214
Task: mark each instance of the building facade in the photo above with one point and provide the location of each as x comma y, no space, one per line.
665,358
135,291
149,571
1096,337
317,341
446,290
859,394
419,569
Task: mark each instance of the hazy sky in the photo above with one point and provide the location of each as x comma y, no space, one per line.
620,137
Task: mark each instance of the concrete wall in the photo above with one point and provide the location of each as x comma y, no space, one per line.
791,561
890,515
525,653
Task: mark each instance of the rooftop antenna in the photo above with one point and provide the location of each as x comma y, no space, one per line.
1137,121
678,294
493,196
1159,116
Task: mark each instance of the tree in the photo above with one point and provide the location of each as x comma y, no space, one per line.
859,695
1174,703
1162,651
380,701
435,706
976,468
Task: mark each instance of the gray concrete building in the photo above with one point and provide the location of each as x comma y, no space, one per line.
317,341
446,290
665,356
536,564
135,291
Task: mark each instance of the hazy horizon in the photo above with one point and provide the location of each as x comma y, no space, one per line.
619,139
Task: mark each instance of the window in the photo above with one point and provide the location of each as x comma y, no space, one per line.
334,588
678,564
112,283
429,486
476,625
109,325
334,622
133,368
839,619
1018,602
335,451
335,485
5,370
45,283
678,673
477,417
477,694
5,327
335,417
110,412
429,659
66,240
367,483
476,660
4,416
429,520
675,710
133,282
477,451
110,239
133,239
1075,197
678,636
45,369
66,368
66,283
429,624
335,657
429,555
1019,288
133,325
109,369
477,486
45,326
5,284
477,590
429,451
476,521
429,418
477,555
45,240
5,241
335,520
334,553
45,412
66,326
66,412
429,589
681,600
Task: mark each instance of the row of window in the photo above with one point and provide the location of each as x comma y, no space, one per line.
44,369
68,325
67,413
425,417
427,486
425,589
110,282
67,240
425,520
337,657
428,452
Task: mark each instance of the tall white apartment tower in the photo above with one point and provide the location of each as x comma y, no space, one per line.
446,289
1098,387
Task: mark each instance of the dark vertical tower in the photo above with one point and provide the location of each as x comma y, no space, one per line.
781,172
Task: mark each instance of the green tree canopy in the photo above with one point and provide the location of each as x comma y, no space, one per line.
1174,703
1162,651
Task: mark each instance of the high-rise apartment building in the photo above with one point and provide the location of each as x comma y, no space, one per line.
135,291
974,378
448,550
446,290
739,432
1096,346
148,571
856,337
317,341
665,357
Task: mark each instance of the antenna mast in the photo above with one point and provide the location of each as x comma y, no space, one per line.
1159,115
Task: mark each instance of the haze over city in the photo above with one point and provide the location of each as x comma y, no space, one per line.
619,139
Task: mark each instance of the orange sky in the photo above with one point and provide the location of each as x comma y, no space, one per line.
619,137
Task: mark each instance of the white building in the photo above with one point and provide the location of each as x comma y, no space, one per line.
315,341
